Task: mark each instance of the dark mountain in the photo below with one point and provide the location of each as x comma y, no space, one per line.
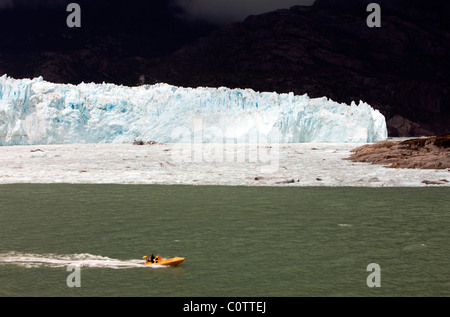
402,68
114,43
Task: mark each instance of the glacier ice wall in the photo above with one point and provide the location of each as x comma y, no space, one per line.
33,111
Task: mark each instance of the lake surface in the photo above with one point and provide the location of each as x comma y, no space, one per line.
237,241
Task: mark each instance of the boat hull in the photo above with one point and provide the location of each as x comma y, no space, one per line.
171,262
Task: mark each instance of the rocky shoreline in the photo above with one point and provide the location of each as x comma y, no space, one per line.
419,153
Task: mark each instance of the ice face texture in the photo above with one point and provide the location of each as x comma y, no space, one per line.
33,111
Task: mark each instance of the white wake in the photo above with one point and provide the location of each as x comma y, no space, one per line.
31,260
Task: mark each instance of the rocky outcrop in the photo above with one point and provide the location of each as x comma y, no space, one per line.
141,142
439,182
399,126
423,153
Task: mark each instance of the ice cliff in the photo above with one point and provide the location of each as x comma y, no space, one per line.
33,111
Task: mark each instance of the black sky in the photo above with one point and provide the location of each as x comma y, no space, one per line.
226,11
217,11
152,27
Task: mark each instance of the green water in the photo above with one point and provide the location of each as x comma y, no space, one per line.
238,241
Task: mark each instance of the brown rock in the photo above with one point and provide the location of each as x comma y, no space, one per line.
439,182
424,153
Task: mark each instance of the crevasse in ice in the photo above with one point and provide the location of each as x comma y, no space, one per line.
34,111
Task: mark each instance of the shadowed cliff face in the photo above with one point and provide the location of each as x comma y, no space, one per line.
402,68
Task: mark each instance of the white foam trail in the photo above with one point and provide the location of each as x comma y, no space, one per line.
30,260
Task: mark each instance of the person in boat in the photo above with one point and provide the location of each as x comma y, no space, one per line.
152,258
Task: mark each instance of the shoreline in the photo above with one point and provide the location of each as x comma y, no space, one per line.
278,165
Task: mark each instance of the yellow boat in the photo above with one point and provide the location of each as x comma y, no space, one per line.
164,261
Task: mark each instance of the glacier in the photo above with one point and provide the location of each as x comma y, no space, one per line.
34,111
